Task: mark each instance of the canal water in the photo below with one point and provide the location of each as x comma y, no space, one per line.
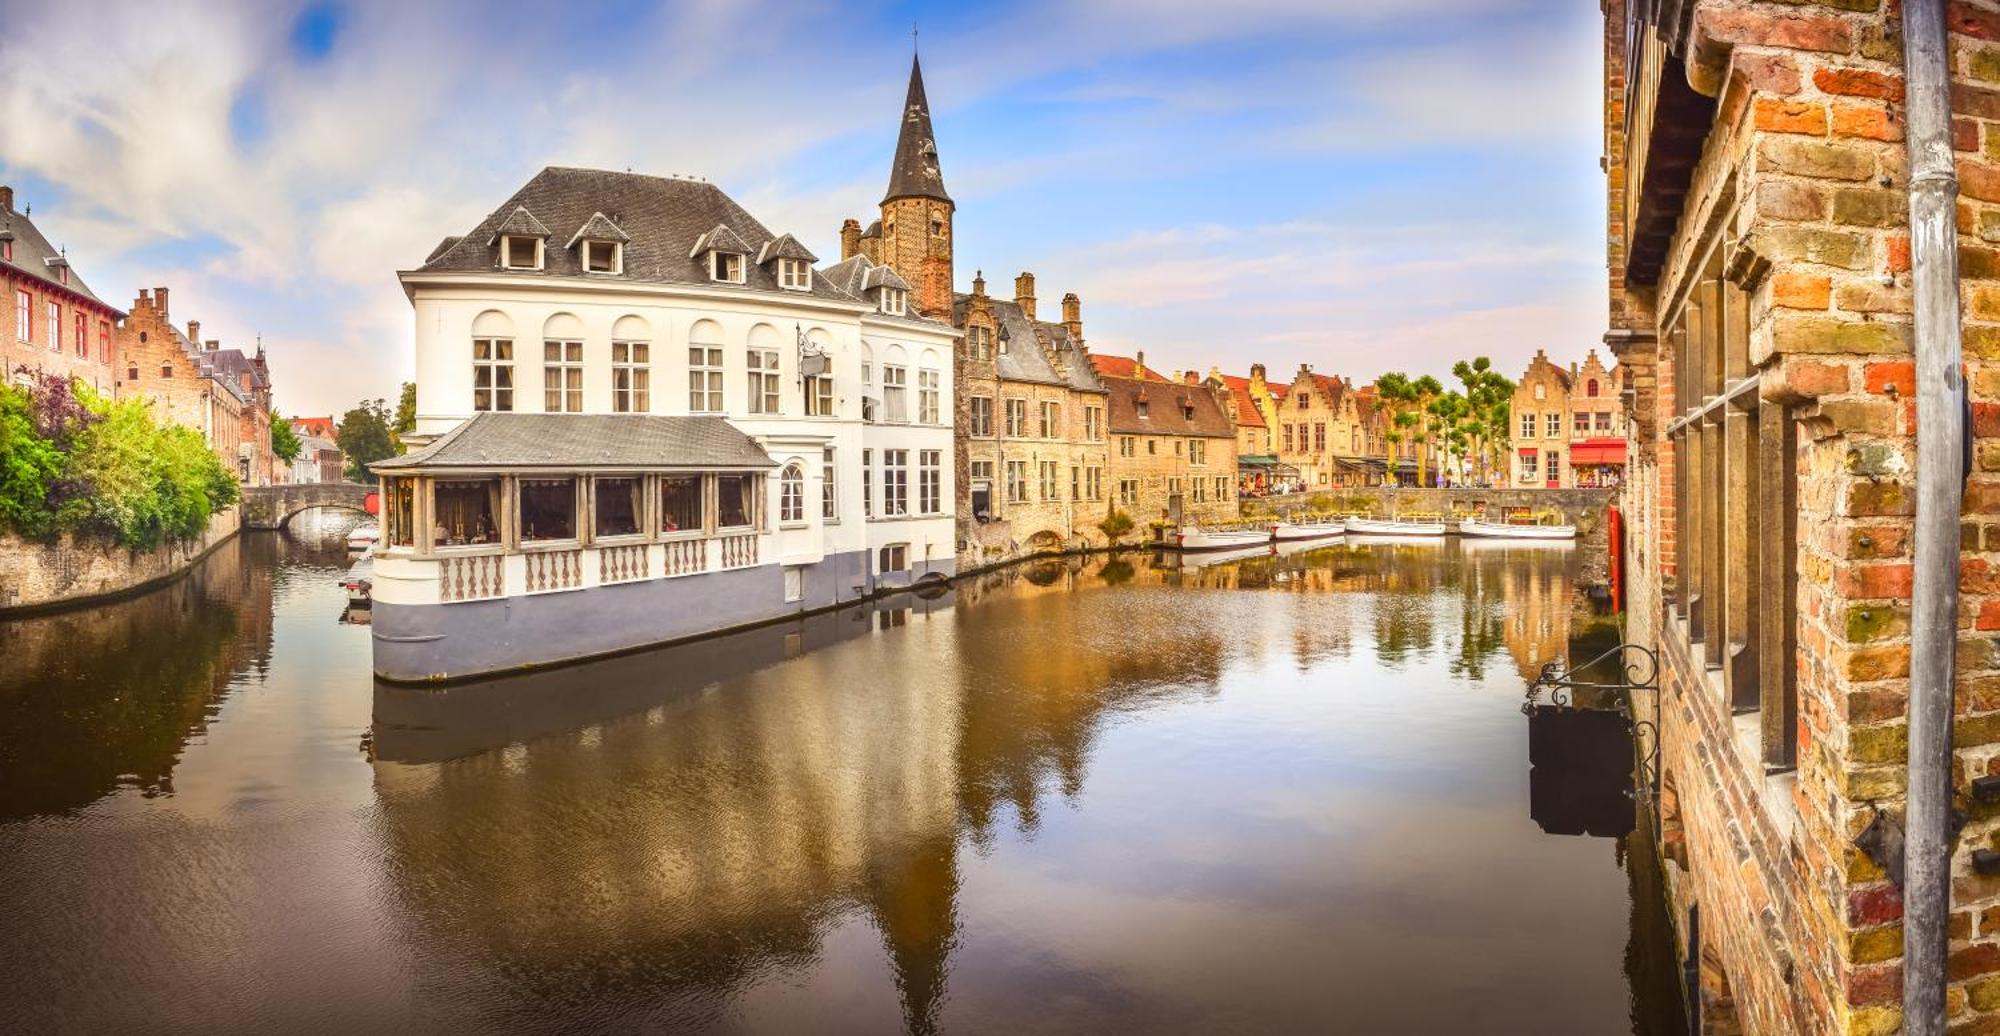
1277,794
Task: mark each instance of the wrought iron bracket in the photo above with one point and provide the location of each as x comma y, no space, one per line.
1640,667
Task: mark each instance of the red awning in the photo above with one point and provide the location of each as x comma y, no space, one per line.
1597,451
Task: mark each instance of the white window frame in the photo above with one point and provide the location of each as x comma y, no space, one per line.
819,396
725,267
895,394
1017,481
766,388
927,396
507,243
562,365
930,482
705,379
1552,425
1051,419
867,484
24,315
895,483
1527,426
53,315
792,495
794,274
829,502
616,265
631,363
494,366
1050,477
895,301
980,418
1017,417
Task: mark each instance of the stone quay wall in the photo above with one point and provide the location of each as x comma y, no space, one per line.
71,570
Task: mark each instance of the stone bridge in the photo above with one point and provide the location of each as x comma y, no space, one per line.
270,507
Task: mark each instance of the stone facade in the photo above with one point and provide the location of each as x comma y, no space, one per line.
222,392
1567,425
55,324
1173,455
1320,432
1760,281
71,569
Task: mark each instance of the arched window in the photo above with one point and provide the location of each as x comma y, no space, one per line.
792,494
1590,387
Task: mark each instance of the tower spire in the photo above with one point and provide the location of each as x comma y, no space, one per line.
915,173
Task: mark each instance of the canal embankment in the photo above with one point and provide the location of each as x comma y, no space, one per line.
77,568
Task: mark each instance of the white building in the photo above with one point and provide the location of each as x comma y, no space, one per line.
662,303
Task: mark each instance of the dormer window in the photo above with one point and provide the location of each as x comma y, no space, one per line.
895,301
725,267
521,252
1143,408
794,275
603,257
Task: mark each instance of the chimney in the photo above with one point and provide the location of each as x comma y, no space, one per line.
1139,364
211,345
194,330
145,299
160,301
1072,310
6,198
1024,293
850,239
979,283
1257,372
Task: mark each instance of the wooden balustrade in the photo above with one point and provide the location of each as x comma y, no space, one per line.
686,557
554,570
477,577
623,564
739,551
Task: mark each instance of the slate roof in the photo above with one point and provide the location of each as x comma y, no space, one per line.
1167,408
1022,357
720,239
585,441
915,173
598,228
32,256
883,277
520,221
784,246
663,217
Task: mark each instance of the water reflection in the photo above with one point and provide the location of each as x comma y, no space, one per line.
1286,791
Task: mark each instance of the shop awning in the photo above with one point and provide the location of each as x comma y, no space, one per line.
1257,460
1597,451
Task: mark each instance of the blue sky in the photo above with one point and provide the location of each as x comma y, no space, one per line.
1361,185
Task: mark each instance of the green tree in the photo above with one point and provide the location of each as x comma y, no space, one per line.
364,436
285,444
406,415
1489,396
30,466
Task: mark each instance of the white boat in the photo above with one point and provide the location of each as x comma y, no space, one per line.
1229,555
363,537
1313,530
1516,531
358,581
1393,527
1194,537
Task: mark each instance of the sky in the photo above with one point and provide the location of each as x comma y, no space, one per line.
1361,185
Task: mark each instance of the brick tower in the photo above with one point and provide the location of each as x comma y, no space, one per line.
916,211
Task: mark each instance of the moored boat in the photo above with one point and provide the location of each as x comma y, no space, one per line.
1307,530
1194,537
363,537
1393,527
1515,530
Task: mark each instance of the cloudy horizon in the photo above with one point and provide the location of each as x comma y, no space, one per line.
1283,181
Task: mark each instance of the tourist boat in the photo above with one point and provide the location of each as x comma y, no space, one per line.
1307,530
1393,527
1515,530
1194,537
356,582
363,537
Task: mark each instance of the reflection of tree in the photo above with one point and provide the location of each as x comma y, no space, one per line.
107,696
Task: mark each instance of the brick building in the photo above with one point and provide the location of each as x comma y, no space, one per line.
1760,298
60,327
1596,424
1568,425
1320,432
1173,456
1030,431
320,459
222,392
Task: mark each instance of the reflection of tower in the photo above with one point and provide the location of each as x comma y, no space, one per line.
913,899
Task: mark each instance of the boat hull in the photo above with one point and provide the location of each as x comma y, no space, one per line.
1285,531
1501,530
1377,527
1202,539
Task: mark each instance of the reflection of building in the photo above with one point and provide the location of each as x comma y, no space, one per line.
1539,600
59,326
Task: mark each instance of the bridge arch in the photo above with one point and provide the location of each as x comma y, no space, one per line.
271,507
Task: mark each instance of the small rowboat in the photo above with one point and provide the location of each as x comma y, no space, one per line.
1313,530
1516,531
1194,537
1393,527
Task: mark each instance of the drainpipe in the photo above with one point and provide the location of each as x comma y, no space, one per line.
1940,490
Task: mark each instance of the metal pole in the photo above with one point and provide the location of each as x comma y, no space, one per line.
1940,489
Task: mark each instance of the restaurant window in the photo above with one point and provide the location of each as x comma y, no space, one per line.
981,416
792,495
927,397
1017,418
562,377
548,509
618,506
680,503
829,500
930,482
492,374
1051,420
465,512
735,501
705,379
764,384
895,394
1017,481
631,377
895,482
1736,508
402,512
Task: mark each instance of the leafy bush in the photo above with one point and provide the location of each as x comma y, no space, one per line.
1115,525
73,460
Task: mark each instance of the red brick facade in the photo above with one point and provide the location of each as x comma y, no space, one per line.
55,325
199,384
